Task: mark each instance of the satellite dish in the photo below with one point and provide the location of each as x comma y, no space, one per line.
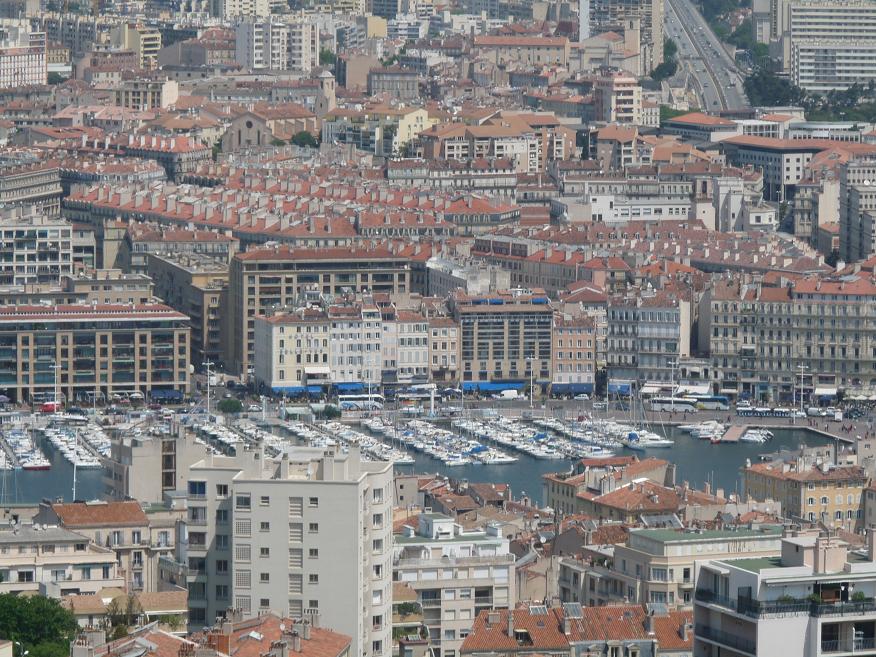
867,183
282,627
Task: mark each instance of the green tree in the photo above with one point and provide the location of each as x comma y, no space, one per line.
327,57
230,406
304,139
765,88
41,624
666,113
55,78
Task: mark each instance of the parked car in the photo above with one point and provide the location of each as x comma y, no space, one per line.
582,397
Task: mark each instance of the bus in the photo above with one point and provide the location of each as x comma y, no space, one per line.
418,393
363,402
679,404
710,402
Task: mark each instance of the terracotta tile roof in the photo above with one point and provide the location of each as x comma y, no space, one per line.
698,118
519,41
402,592
243,641
544,632
103,514
164,601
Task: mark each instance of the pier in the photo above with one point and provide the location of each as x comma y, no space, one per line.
734,433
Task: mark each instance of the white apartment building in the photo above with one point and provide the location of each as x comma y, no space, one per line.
798,21
413,347
617,98
647,335
292,350
822,65
355,344
817,598
457,574
330,551
34,248
658,565
230,9
262,44
22,57
37,559
309,531
303,44
857,197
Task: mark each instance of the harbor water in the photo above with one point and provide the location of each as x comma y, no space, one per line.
697,462
31,486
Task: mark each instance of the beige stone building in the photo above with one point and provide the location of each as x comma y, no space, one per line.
444,349
262,280
100,349
196,285
122,527
826,493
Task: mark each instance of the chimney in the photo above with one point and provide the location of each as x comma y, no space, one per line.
296,642
649,622
685,632
511,623
305,633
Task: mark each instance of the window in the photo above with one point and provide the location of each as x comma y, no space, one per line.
313,578
242,552
264,578
313,553
264,603
824,500
242,579
222,490
221,591
221,516
242,527
811,501
264,500
264,552
313,604
264,526
242,503
313,502
313,527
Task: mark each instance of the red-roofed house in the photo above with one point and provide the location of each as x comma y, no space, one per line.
120,526
610,631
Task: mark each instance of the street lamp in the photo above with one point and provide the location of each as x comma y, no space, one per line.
530,360
55,367
802,368
208,364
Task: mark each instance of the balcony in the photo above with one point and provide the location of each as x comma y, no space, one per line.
848,645
727,639
756,609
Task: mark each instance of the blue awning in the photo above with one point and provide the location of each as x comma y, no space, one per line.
288,390
350,387
314,390
497,386
620,387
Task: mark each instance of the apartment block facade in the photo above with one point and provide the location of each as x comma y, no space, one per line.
456,574
810,337
264,280
97,349
504,337
52,561
308,533
816,598
658,566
